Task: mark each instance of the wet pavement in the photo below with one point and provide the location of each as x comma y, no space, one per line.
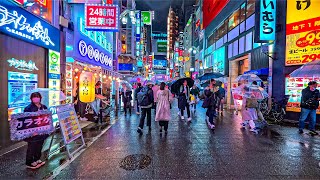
192,151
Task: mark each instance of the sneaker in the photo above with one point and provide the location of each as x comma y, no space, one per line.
189,119
254,130
33,165
313,132
300,131
41,162
139,131
182,117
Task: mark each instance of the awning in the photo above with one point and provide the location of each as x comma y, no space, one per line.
259,72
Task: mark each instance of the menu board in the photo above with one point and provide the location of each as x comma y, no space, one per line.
69,123
294,87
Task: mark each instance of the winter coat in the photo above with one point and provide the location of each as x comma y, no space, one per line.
150,98
309,99
136,91
163,106
183,98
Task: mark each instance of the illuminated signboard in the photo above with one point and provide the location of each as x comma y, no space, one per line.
162,46
125,67
101,17
19,1
160,64
219,57
211,8
266,17
93,55
146,17
21,24
302,32
54,77
22,64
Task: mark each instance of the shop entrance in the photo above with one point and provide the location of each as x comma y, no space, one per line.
236,67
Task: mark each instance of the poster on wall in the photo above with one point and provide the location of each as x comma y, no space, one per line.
302,32
54,77
294,87
19,83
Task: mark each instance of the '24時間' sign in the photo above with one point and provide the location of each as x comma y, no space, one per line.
101,17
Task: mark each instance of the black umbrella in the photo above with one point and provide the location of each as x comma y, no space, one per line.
208,76
175,87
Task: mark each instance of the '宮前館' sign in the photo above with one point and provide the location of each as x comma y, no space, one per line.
101,17
302,32
266,16
21,24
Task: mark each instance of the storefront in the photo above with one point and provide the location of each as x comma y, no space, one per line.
230,47
302,46
29,58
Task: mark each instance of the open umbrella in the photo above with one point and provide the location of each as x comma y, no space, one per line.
175,87
49,96
208,76
248,77
311,69
254,91
129,86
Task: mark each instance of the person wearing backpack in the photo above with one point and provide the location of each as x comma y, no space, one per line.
309,105
137,90
210,102
145,100
249,112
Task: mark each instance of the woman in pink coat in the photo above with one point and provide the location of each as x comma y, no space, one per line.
163,107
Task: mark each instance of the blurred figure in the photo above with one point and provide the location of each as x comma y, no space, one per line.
221,100
195,92
136,91
163,114
35,143
309,104
210,102
126,95
155,90
249,113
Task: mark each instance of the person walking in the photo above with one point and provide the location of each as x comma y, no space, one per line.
195,92
184,99
126,95
249,113
210,102
36,142
163,114
155,90
221,97
259,113
146,100
309,104
137,90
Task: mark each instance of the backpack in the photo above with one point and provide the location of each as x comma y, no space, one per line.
252,103
143,98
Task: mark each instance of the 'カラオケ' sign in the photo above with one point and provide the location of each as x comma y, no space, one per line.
101,17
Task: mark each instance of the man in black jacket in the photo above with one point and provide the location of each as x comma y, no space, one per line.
309,104
136,97
146,106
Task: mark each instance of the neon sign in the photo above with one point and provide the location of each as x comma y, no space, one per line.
21,24
22,64
94,54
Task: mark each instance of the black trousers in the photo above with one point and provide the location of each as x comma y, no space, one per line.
34,151
165,124
126,107
188,110
82,108
145,112
138,108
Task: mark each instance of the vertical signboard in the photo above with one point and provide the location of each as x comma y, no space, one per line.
101,17
54,77
302,32
266,16
146,17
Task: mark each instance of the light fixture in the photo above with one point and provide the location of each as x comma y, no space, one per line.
124,20
194,51
76,70
104,76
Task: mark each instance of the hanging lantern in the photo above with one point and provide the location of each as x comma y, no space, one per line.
87,87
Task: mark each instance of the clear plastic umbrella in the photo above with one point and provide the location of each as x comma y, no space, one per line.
255,91
247,78
50,97
311,69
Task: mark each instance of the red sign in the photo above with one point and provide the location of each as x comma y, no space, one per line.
98,17
109,1
19,1
211,8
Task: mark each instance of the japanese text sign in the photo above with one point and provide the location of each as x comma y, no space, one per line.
267,17
29,124
302,32
101,17
21,24
86,89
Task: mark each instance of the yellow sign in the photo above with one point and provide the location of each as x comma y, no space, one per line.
302,32
87,87
187,58
180,58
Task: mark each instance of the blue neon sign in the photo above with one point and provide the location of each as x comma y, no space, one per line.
267,19
21,24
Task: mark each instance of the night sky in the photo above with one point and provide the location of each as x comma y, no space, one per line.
161,8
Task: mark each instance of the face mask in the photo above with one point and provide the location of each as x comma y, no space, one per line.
36,100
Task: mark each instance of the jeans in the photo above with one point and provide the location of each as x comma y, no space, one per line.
304,115
211,114
145,112
34,151
188,110
165,124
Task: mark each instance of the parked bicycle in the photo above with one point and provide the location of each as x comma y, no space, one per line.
278,110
